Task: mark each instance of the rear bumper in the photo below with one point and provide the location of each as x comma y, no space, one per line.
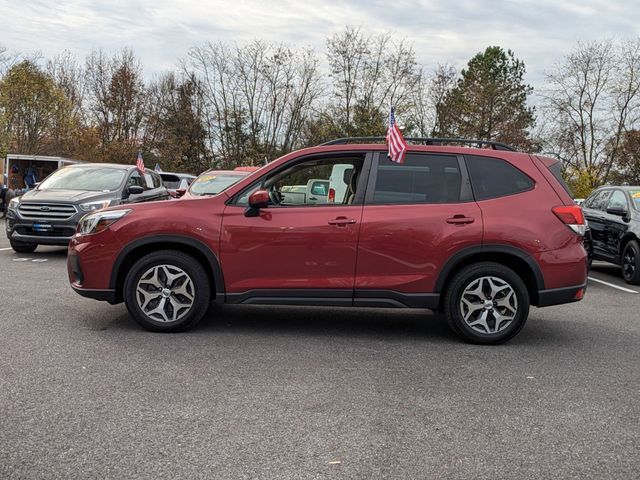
558,296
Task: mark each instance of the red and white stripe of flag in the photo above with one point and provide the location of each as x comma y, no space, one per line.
140,163
396,142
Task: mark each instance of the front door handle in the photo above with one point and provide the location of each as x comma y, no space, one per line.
460,220
341,221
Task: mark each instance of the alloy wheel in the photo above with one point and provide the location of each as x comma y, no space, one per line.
488,305
165,293
629,263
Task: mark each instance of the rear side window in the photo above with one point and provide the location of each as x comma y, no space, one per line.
493,177
420,179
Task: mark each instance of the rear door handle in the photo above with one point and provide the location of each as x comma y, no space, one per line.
460,220
341,221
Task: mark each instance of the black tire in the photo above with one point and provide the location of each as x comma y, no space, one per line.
175,261
631,262
477,274
21,247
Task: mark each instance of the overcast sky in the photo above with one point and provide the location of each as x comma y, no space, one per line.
161,31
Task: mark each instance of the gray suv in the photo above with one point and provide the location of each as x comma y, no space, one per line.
49,214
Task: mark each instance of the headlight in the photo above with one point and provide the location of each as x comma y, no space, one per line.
99,221
91,206
13,203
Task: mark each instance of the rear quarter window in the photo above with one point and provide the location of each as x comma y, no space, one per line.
598,200
494,177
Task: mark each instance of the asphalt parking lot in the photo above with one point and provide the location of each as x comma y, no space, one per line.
266,392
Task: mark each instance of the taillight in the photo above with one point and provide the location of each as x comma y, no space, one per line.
572,217
332,195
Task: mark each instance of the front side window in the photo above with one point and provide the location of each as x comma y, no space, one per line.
321,181
135,179
618,200
493,177
421,178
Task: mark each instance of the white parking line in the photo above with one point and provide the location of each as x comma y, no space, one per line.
2,249
628,290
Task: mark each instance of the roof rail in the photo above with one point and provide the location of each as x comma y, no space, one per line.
424,141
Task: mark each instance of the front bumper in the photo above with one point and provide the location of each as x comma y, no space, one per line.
90,259
23,230
107,295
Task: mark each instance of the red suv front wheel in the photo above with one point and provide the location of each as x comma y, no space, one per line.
167,291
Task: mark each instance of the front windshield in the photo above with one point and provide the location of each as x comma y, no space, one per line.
635,197
98,179
212,184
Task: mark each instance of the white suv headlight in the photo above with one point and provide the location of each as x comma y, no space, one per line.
91,206
13,203
99,221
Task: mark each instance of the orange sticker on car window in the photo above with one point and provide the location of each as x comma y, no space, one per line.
207,178
635,195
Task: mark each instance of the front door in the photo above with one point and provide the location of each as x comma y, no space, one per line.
298,247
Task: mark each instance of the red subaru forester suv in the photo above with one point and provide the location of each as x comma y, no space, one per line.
479,234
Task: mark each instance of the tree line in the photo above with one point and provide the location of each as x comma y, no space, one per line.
228,104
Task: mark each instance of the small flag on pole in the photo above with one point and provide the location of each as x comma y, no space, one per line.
157,169
395,140
140,162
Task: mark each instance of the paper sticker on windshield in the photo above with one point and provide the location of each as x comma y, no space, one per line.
207,178
635,195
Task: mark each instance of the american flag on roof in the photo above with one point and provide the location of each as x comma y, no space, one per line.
395,140
140,162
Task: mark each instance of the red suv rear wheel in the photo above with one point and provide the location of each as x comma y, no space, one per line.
486,303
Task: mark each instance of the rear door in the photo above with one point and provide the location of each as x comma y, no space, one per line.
594,212
416,216
615,226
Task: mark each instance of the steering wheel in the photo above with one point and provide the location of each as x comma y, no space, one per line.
275,197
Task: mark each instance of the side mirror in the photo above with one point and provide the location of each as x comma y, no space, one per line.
135,190
618,211
180,192
257,200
